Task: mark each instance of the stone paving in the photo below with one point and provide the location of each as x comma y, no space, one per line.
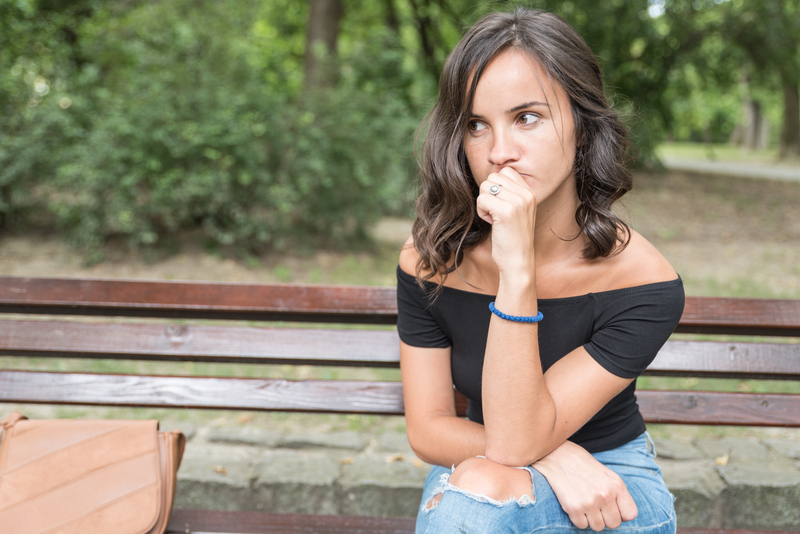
718,483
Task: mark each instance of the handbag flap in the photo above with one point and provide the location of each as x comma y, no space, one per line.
73,476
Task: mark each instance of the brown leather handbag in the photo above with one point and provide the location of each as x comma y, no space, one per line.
86,477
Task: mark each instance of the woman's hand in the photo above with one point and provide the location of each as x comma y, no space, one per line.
590,493
512,214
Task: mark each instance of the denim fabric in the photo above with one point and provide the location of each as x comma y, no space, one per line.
461,512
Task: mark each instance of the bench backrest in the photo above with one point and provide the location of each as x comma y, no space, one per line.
30,329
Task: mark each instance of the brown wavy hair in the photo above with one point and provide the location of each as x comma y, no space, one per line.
447,222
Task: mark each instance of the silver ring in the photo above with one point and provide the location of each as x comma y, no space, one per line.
494,189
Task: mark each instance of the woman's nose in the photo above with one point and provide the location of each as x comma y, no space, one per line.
504,150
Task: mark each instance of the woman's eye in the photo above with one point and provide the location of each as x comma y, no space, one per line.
528,118
475,126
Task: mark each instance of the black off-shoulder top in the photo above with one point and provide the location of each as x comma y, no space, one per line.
622,330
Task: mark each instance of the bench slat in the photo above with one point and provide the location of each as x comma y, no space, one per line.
715,359
226,522
708,408
327,396
217,521
202,343
740,316
341,396
288,302
377,348
198,300
716,408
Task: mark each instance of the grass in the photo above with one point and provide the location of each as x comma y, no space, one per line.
741,287
723,152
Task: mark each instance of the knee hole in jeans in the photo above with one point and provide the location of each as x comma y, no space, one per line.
433,502
483,477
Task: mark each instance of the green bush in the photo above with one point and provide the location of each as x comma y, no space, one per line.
182,117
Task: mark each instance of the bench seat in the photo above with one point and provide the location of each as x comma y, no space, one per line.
303,325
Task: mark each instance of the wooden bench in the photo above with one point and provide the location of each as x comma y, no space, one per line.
29,326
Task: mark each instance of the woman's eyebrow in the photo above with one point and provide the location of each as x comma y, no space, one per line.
525,105
515,108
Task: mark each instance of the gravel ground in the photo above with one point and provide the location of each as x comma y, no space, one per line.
724,235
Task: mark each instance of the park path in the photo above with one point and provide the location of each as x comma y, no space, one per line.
775,171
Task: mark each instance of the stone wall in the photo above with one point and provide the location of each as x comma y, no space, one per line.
719,483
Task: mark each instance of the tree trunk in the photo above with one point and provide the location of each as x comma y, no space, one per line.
790,133
426,39
321,34
754,126
5,198
392,22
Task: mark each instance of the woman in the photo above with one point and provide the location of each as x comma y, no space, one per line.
523,158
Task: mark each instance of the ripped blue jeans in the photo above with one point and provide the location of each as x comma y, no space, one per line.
460,512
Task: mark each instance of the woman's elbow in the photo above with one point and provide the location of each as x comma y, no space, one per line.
418,444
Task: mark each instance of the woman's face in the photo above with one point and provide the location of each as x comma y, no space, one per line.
522,120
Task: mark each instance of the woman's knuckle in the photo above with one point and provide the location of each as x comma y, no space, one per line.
579,520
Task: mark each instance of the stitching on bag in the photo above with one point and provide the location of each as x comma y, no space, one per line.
107,432
105,505
32,425
74,480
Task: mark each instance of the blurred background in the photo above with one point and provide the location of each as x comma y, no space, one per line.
273,140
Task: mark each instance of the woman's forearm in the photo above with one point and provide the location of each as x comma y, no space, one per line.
446,440
518,410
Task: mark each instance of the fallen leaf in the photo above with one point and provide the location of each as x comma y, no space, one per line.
418,463
244,418
221,470
345,461
394,458
722,460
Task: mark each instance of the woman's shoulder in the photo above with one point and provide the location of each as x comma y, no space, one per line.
409,257
638,264
411,264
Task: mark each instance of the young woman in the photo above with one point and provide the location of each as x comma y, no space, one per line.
522,160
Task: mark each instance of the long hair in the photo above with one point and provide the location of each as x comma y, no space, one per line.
447,222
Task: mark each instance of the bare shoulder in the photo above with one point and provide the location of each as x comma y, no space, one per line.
639,264
409,257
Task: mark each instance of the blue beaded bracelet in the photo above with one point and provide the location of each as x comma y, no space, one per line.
516,318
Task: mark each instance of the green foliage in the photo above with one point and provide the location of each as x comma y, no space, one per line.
749,49
36,59
138,119
188,115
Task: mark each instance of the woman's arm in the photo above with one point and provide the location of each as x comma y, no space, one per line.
590,493
436,434
528,413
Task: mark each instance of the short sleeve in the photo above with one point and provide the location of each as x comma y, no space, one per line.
632,325
416,324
